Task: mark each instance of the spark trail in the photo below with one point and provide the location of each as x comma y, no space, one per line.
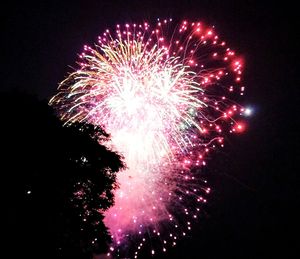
164,93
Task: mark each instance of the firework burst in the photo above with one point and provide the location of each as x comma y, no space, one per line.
162,93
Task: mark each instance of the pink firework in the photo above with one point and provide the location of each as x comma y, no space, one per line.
164,94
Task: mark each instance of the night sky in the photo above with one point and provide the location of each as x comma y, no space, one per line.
252,209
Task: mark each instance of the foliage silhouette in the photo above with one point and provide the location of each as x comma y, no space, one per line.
57,182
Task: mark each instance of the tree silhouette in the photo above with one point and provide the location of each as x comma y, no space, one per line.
58,181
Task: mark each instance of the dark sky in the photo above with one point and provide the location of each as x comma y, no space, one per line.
254,199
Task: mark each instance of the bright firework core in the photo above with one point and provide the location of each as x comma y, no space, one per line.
162,94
